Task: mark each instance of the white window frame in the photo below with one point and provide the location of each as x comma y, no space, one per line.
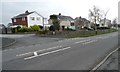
38,18
14,20
23,19
32,18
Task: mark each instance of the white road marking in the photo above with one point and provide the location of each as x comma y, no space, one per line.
82,41
89,42
47,53
70,39
104,60
39,50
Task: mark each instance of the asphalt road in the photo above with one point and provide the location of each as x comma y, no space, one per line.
23,40
70,54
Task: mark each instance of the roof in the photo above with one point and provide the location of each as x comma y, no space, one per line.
61,17
25,14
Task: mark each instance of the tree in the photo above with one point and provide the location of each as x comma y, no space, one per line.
95,16
114,22
55,22
52,28
105,14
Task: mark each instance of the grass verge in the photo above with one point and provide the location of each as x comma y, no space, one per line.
89,34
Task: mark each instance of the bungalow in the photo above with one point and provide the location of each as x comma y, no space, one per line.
28,19
65,21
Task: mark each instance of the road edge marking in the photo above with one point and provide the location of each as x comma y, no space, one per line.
104,60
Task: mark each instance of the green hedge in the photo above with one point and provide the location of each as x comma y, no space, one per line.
30,29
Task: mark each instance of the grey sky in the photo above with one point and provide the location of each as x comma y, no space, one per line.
73,8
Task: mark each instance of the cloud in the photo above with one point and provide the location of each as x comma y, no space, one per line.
72,8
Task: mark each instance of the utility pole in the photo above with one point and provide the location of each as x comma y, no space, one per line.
43,23
95,26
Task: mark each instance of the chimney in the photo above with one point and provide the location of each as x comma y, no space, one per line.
59,14
26,11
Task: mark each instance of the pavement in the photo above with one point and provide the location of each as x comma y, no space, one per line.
66,54
111,63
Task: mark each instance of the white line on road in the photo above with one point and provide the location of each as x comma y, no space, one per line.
39,50
47,53
89,42
104,60
82,41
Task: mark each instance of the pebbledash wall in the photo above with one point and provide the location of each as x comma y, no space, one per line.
38,20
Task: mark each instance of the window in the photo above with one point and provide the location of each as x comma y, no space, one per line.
14,20
102,24
23,19
72,24
32,18
38,18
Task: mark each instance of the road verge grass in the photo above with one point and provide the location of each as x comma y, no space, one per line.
89,34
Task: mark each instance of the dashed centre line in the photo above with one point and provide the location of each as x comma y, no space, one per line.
46,53
39,50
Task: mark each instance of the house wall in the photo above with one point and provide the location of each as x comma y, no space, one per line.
107,23
50,22
65,23
35,21
19,21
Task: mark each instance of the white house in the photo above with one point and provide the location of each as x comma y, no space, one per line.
28,19
105,23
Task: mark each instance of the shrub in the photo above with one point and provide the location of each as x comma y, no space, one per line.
52,28
30,29
35,28
42,32
23,29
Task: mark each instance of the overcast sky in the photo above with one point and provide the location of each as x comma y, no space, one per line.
73,8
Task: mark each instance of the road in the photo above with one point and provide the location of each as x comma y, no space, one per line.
23,40
68,54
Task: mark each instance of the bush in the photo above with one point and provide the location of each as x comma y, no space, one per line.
42,32
23,29
35,28
30,29
52,28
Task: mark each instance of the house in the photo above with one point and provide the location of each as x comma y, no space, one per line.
9,25
3,29
81,23
28,19
65,21
105,23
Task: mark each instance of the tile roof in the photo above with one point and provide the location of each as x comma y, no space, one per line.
61,17
23,14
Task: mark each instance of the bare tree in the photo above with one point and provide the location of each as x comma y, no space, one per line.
114,22
95,16
105,14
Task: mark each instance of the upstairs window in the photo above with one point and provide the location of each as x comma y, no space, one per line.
72,24
38,18
23,19
14,20
32,18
